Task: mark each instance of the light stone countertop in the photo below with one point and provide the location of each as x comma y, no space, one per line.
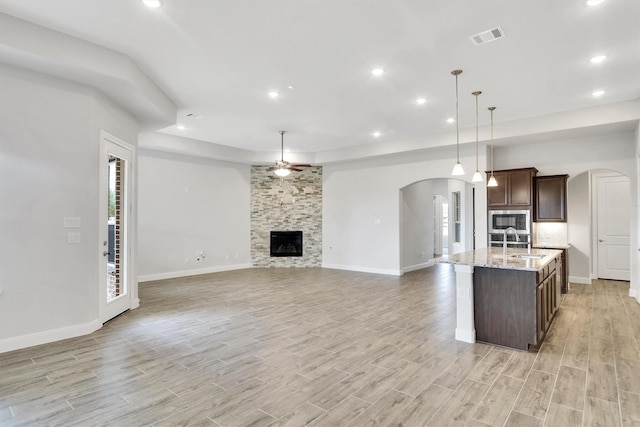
551,246
493,258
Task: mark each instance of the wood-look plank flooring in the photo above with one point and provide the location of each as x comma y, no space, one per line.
320,347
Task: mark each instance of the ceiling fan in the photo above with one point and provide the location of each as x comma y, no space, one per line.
283,168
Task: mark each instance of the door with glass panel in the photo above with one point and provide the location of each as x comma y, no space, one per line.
115,176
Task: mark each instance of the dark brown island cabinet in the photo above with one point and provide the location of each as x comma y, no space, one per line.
514,190
514,308
550,204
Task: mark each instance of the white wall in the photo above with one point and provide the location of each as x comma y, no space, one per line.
49,143
187,205
579,227
417,224
575,156
634,291
361,207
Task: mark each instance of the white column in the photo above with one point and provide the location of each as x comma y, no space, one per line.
465,328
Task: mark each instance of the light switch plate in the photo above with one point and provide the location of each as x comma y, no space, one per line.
73,238
71,222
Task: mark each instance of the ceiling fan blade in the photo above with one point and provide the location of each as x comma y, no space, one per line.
300,165
294,169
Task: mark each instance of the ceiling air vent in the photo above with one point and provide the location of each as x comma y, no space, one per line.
487,36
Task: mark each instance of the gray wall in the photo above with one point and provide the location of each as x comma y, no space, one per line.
579,233
49,154
188,205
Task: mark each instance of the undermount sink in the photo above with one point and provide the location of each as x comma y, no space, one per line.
528,256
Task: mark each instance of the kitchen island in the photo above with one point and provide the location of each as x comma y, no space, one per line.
506,299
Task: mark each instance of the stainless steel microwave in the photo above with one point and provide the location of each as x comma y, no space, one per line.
518,219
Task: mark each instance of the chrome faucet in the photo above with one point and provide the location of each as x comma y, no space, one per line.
504,241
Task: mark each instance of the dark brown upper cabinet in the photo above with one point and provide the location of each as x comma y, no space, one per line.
514,190
550,198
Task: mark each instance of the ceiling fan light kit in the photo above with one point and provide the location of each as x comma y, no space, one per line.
282,172
283,168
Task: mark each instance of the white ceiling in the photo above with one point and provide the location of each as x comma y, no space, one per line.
219,59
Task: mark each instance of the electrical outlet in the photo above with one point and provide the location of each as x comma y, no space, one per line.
463,293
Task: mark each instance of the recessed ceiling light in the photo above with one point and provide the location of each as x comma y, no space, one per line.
376,134
451,120
598,59
594,2
180,127
153,4
273,94
377,72
421,101
597,93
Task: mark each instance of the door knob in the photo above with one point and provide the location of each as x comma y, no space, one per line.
105,253
600,240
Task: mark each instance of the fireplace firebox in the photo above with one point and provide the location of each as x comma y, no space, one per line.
286,243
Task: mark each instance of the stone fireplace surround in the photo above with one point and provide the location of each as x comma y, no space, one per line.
289,205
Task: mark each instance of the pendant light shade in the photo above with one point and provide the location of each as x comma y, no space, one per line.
492,179
457,168
477,177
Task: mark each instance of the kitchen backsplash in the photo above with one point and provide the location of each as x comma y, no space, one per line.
550,233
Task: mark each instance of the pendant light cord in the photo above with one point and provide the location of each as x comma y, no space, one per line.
476,94
491,109
457,124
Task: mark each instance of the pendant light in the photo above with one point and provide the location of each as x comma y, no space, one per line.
492,180
477,177
457,168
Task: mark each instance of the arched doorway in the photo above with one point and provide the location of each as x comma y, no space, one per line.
435,215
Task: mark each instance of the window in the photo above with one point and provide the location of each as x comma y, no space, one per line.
456,217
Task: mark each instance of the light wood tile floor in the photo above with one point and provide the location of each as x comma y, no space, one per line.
290,347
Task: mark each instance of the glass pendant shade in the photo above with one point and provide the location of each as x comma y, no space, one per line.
457,169
492,182
477,177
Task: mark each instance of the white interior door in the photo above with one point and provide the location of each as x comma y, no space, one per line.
613,229
114,288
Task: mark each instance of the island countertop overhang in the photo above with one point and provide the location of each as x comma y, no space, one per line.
516,259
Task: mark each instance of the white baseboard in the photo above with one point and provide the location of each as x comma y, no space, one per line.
388,272
194,272
44,337
578,279
418,266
